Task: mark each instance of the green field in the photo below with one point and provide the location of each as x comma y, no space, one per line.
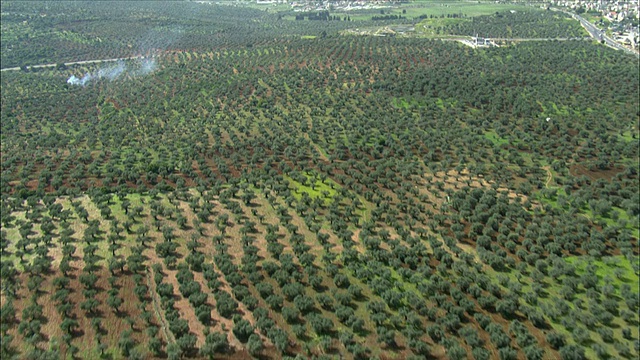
495,138
416,9
614,270
313,188
630,135
464,9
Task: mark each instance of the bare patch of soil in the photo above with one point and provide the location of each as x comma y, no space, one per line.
596,174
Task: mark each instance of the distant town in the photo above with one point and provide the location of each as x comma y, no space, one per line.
618,19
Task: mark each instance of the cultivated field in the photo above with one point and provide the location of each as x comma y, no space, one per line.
269,188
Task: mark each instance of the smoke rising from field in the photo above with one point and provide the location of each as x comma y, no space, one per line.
152,44
111,73
141,67
147,66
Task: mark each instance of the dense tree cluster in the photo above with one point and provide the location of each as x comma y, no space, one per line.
518,24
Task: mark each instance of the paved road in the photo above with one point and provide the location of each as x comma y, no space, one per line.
537,39
469,38
467,41
74,63
598,34
593,30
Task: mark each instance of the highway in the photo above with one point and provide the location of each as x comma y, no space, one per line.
598,34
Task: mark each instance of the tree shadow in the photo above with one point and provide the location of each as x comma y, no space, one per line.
362,332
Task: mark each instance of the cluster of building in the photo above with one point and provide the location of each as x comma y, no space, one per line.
623,17
628,38
345,5
614,11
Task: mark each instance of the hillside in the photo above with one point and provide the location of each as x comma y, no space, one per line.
256,188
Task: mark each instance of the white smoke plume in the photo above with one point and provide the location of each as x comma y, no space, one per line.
111,73
152,44
146,67
73,80
141,68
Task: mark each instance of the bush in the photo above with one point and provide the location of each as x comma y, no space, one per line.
242,329
555,340
572,352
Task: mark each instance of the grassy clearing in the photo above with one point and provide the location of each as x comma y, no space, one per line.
556,197
14,233
407,103
413,11
628,136
495,138
319,189
401,103
324,189
467,9
615,217
619,213
616,270
308,37
552,109
271,8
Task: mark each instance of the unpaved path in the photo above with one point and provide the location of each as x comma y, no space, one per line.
98,61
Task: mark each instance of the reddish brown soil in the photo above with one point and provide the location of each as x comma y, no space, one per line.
580,170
